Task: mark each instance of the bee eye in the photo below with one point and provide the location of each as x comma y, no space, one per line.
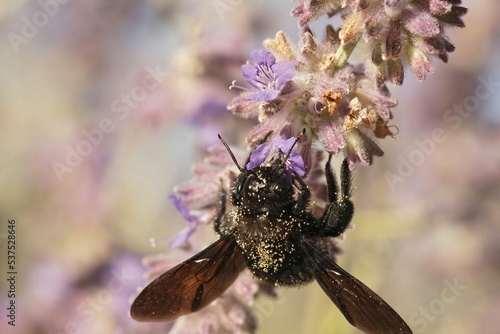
282,185
245,186
279,189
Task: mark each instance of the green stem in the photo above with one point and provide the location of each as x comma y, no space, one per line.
343,53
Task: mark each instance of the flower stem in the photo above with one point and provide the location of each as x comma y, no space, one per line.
343,53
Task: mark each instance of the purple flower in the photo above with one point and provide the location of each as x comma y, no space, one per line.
267,75
181,240
197,200
294,163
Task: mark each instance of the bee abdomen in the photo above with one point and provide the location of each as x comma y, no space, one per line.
276,261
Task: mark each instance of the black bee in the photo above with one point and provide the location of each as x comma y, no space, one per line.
271,232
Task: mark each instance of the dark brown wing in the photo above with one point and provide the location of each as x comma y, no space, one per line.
362,307
191,285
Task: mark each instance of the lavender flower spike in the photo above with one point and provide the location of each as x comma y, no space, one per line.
267,75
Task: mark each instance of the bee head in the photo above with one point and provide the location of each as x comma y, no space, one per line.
268,175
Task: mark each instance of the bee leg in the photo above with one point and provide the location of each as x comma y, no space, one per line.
339,210
221,210
331,182
304,195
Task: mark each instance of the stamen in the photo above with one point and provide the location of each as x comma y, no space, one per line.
394,135
154,241
266,70
233,85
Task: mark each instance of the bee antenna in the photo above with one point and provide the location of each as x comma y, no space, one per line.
230,153
295,142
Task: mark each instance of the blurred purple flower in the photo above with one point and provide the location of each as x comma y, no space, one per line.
197,200
181,240
267,75
294,163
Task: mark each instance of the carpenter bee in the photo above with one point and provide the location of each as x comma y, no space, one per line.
272,232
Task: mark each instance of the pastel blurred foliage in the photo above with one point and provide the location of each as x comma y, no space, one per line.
81,236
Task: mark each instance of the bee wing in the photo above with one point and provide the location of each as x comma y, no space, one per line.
362,307
191,285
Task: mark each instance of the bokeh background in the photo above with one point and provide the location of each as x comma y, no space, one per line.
138,90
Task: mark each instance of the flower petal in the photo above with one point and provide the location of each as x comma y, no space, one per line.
332,136
265,95
259,155
262,57
250,73
360,149
182,208
267,76
294,163
284,72
182,238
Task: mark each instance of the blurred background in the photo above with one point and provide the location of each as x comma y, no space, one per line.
104,106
